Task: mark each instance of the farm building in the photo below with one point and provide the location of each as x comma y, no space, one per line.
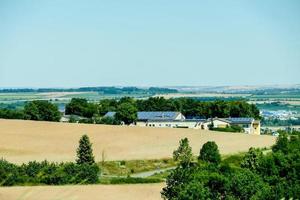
177,120
250,125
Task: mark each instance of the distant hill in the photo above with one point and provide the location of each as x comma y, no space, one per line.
259,89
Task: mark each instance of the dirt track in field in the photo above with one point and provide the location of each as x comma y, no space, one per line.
23,141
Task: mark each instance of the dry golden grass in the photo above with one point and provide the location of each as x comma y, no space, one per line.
83,192
23,141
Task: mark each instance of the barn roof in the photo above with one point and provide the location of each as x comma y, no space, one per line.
157,115
240,120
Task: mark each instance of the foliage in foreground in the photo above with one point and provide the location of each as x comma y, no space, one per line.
85,171
36,173
275,175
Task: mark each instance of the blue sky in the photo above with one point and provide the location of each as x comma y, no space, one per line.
60,43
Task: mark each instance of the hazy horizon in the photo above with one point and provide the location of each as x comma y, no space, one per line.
67,44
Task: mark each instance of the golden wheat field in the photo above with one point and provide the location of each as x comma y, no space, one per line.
23,141
83,192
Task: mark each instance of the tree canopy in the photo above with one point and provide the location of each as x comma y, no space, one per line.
210,153
42,111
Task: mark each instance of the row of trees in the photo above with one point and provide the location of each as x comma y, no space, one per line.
33,110
274,175
127,107
84,171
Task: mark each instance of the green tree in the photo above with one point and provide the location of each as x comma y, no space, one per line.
282,143
85,151
251,159
127,113
210,153
194,190
81,107
248,185
179,177
42,111
184,153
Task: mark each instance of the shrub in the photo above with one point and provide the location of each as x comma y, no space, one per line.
48,173
9,174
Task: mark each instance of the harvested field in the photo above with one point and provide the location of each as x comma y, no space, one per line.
83,192
23,141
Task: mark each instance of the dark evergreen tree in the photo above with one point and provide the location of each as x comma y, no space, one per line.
85,151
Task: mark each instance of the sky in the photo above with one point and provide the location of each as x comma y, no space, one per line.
69,43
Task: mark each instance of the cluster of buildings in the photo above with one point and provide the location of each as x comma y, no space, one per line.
178,120
279,114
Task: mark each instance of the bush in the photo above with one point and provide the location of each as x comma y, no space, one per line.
10,174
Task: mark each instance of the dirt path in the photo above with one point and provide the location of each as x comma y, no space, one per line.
150,173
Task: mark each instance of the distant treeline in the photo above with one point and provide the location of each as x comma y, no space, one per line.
104,90
34,110
278,122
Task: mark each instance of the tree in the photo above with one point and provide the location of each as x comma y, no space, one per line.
81,107
194,190
282,143
184,153
41,110
251,159
210,153
178,178
127,113
85,151
248,185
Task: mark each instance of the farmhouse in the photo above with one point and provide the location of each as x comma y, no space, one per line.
250,125
178,120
